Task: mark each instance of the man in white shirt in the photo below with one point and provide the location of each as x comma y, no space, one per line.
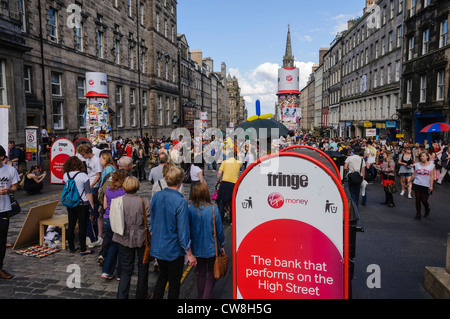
355,164
94,171
8,185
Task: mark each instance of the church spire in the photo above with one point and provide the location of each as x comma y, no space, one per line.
288,60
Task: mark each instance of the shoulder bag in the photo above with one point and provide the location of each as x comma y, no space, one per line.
356,177
221,262
147,258
15,206
116,217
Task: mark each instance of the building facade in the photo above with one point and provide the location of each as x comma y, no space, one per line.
12,50
426,68
332,86
47,46
237,111
371,71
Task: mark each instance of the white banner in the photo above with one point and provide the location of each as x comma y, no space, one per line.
4,128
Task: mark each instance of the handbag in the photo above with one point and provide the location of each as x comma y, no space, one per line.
221,262
15,206
356,177
116,217
392,188
147,258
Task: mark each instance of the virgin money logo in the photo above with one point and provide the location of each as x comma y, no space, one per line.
91,82
289,78
275,200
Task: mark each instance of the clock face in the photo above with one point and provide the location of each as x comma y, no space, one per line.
394,117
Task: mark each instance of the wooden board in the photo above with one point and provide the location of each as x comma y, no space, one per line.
30,229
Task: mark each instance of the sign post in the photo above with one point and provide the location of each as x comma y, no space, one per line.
60,151
290,234
31,146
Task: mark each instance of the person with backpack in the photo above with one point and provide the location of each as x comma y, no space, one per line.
77,197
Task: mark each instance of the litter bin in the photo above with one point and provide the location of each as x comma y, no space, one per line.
339,160
355,225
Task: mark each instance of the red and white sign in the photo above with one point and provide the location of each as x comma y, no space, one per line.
96,84
288,80
288,231
60,151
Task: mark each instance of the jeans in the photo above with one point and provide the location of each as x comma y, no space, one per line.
169,271
92,224
205,277
112,255
80,214
4,226
127,260
354,190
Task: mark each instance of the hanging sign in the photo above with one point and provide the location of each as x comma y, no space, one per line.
290,234
60,151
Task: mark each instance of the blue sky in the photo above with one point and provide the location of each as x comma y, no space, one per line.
250,37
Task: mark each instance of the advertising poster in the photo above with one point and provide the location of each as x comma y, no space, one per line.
60,151
288,233
288,80
97,123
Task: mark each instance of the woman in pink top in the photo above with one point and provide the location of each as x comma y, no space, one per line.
422,180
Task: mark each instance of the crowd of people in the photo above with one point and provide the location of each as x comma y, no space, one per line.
181,229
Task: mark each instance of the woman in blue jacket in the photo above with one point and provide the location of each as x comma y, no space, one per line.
202,237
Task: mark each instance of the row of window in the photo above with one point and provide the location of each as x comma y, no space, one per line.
165,114
440,87
169,32
443,32
375,51
372,108
367,82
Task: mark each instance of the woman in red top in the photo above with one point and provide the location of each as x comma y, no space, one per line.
387,168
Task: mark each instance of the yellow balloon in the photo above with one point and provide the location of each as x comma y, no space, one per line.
253,118
266,116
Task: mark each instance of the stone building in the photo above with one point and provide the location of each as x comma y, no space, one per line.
134,42
426,68
307,103
237,111
371,70
332,85
201,89
12,50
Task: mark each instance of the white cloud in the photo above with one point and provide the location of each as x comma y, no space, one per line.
262,84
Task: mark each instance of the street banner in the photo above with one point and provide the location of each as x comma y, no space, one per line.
4,128
290,233
60,151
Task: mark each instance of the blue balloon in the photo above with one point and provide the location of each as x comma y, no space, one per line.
258,108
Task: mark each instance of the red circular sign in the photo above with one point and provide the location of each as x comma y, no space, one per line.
91,82
275,200
56,165
289,78
288,259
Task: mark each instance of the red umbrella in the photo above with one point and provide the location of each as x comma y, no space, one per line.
436,127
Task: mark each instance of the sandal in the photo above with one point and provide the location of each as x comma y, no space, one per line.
73,250
87,252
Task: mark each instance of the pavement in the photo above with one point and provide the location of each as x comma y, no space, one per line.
400,246
48,277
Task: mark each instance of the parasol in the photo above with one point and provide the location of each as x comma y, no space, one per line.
436,127
259,121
